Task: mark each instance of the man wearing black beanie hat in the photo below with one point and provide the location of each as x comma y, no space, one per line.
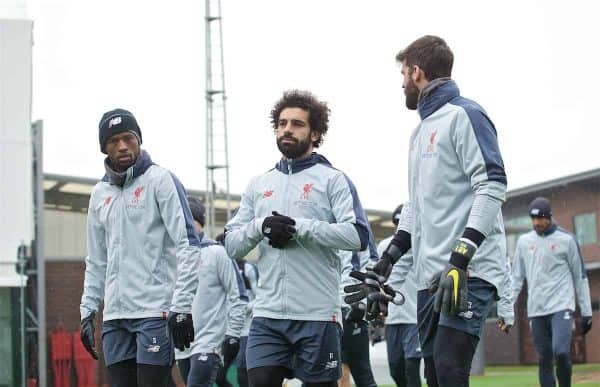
142,259
550,260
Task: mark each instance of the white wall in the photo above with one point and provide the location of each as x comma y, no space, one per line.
16,191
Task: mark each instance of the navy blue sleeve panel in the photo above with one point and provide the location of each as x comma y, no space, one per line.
580,256
373,256
486,135
362,224
187,213
355,261
240,282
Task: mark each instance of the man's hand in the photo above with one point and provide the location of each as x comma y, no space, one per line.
452,292
585,324
181,329
230,347
378,296
356,313
87,335
279,229
503,326
383,267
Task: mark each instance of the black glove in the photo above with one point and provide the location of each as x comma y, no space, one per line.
451,295
181,329
230,348
585,324
383,268
87,335
279,229
356,313
378,296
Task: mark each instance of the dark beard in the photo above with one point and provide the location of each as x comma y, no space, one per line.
412,96
293,151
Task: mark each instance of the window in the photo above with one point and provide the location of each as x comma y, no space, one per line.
585,228
515,227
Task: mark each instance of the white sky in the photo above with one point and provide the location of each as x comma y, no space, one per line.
530,64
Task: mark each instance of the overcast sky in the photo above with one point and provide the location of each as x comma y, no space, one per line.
531,64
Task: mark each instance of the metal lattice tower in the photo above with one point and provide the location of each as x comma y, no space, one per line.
217,158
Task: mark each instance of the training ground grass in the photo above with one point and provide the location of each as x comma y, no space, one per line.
585,375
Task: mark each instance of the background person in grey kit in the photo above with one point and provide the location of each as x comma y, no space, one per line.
452,221
548,257
355,339
142,259
401,331
300,214
219,307
232,355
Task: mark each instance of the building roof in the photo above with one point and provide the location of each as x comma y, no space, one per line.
592,174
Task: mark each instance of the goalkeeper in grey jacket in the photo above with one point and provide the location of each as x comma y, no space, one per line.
549,258
142,259
299,214
452,221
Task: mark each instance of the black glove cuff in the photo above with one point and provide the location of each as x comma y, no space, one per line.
398,246
474,236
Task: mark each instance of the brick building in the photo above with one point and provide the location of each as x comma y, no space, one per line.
575,204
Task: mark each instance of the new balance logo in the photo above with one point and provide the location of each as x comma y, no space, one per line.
114,121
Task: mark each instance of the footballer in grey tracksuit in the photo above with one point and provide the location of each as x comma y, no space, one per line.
453,223
355,340
297,310
142,258
401,331
552,264
219,309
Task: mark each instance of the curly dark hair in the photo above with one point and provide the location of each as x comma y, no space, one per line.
318,111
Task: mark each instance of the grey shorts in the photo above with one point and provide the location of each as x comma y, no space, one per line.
143,339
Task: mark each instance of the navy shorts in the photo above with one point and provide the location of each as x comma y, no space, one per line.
142,339
402,342
309,349
240,360
481,297
203,369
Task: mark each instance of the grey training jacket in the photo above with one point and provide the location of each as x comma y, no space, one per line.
142,248
251,272
553,267
402,279
356,261
300,281
219,306
456,180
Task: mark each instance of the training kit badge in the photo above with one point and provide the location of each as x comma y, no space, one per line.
306,191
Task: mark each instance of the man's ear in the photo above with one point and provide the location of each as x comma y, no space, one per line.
315,136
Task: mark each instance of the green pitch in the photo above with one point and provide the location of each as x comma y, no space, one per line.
586,375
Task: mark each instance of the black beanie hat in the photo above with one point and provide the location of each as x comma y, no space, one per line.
540,208
396,214
117,121
197,209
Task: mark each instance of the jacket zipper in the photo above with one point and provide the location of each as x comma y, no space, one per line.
284,255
